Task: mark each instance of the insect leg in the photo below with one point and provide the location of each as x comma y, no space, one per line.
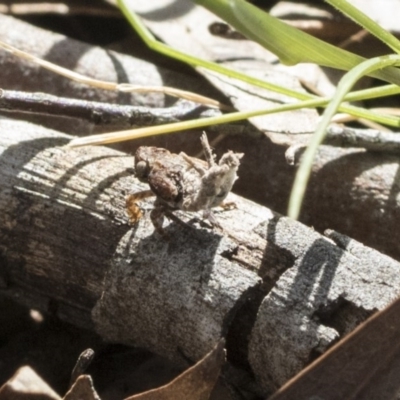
210,157
157,218
132,209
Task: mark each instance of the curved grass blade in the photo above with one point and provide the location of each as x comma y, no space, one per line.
162,48
345,84
367,23
289,44
106,138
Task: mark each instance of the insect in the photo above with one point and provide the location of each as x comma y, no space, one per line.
180,182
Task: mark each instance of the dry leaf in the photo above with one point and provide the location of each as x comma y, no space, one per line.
196,383
27,384
365,365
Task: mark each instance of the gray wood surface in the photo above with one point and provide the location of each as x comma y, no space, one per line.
66,244
278,290
351,190
332,285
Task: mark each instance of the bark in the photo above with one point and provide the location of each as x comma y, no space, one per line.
67,249
94,112
91,61
352,191
280,292
331,287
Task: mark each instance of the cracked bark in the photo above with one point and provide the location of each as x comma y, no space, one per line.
351,190
97,113
279,291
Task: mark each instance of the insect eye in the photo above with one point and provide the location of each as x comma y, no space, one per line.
141,170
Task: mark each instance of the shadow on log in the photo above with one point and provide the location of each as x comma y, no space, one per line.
280,292
352,191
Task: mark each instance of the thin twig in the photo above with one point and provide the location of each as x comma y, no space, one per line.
119,87
370,139
96,112
341,136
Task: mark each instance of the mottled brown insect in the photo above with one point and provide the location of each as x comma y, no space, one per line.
180,182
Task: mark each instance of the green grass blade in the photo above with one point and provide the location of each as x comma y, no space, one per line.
289,44
136,133
346,83
162,48
149,39
367,23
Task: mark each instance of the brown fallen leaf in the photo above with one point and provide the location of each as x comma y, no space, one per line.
27,384
365,365
196,383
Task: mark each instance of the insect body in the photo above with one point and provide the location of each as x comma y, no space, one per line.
180,182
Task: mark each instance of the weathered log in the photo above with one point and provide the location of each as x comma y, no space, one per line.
352,191
66,245
67,249
88,60
91,61
331,286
